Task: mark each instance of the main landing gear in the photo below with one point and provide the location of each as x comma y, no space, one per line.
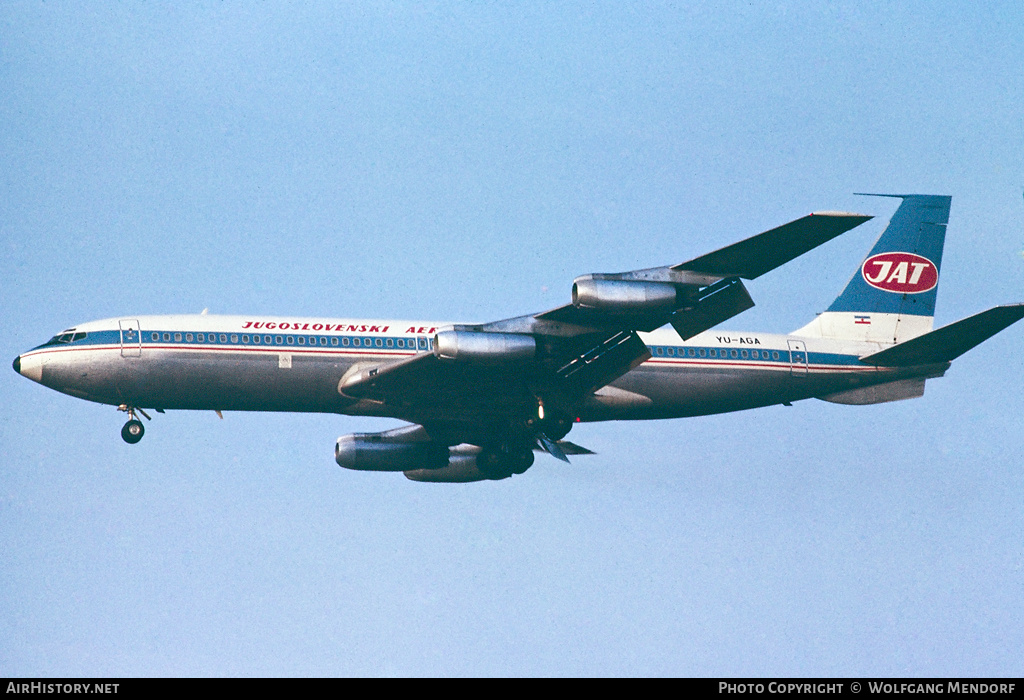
503,462
133,430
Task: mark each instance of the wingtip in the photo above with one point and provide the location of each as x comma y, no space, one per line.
839,214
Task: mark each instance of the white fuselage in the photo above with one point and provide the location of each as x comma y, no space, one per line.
257,363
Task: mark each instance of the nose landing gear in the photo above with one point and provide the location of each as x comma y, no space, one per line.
133,430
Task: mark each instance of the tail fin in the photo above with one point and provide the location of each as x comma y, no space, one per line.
891,297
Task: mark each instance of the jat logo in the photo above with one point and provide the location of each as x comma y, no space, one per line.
901,273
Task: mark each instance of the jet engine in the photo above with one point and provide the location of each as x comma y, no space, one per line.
623,296
409,449
468,463
395,450
484,347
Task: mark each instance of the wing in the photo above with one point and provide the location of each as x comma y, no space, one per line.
707,290
520,378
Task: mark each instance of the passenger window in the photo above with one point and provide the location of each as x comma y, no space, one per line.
753,353
302,340
278,340
234,338
189,337
291,340
156,336
255,339
702,352
344,342
245,339
775,354
167,337
391,342
693,353
356,342
334,341
421,343
379,342
743,354
267,339
733,353
661,352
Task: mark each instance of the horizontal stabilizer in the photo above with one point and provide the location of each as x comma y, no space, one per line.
766,251
949,342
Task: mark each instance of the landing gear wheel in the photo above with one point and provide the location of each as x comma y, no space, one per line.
133,431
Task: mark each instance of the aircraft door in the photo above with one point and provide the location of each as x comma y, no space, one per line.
131,338
797,358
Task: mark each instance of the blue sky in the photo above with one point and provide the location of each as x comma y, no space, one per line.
465,162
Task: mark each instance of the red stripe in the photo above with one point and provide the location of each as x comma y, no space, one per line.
214,348
780,365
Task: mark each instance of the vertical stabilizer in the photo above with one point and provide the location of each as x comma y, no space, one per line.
891,297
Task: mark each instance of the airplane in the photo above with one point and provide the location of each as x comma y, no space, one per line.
480,399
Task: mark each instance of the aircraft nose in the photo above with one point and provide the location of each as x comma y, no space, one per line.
31,367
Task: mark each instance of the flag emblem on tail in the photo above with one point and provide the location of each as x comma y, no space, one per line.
900,273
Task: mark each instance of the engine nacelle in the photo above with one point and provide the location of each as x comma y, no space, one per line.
395,450
470,463
623,296
409,449
461,469
484,348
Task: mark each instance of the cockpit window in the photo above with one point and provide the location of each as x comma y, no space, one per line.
68,336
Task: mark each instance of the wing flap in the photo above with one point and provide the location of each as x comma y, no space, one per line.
602,364
568,448
717,303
